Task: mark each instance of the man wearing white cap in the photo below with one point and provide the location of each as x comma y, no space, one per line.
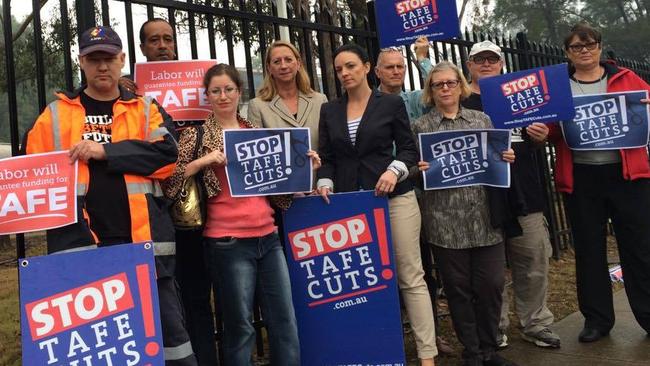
528,253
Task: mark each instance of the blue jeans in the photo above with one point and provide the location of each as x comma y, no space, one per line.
239,267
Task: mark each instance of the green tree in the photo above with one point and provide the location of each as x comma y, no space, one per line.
543,20
625,24
25,70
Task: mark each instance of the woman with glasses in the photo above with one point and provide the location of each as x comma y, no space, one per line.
604,184
465,226
366,144
286,98
242,248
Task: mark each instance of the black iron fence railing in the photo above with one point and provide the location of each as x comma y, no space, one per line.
236,32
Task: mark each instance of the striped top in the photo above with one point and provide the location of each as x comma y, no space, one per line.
353,126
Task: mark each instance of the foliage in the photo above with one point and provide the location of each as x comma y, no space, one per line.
25,70
625,24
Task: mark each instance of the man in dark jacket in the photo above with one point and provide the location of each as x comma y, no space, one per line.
528,253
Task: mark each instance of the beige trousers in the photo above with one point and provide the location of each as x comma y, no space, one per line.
405,224
528,258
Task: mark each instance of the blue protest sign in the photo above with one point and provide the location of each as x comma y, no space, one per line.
401,22
520,98
609,121
267,161
343,280
95,306
463,158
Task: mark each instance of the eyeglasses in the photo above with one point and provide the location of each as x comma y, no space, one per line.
577,48
229,91
451,84
490,59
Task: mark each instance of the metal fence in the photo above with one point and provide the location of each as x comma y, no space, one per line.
238,32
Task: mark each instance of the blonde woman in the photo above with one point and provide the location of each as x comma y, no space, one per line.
286,98
465,226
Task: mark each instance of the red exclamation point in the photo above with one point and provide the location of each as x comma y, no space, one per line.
380,223
542,78
434,9
144,288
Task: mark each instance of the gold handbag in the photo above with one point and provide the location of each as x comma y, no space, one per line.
186,211
189,209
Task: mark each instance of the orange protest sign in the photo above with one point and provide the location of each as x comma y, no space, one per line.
177,86
37,192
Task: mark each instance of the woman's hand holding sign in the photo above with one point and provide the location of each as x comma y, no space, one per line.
508,156
538,132
315,159
217,158
386,183
423,165
324,191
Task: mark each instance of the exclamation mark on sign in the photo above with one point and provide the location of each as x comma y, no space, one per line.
483,142
144,288
542,78
434,10
623,108
287,151
382,239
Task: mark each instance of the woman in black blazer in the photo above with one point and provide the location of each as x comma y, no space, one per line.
365,143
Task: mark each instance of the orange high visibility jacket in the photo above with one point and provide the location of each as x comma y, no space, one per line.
142,149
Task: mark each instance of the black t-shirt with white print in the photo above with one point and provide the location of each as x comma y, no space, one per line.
525,192
107,199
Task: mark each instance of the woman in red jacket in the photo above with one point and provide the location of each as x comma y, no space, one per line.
604,184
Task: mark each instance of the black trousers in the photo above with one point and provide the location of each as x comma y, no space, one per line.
473,280
195,288
599,193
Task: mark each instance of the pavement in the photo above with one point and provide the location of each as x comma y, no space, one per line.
626,345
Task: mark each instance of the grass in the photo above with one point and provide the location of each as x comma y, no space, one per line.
561,300
9,317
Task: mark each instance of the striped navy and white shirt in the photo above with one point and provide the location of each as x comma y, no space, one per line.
353,126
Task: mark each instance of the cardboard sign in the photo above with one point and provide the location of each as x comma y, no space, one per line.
520,98
267,161
92,307
609,121
343,280
37,192
401,22
177,86
465,158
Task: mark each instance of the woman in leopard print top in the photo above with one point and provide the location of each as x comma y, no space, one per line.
241,246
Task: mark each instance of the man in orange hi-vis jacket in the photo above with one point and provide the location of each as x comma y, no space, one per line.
124,148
